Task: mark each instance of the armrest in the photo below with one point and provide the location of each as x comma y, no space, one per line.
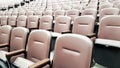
66,32
3,45
13,53
91,35
41,63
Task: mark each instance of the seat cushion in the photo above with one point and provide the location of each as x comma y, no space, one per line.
55,34
22,63
3,56
107,42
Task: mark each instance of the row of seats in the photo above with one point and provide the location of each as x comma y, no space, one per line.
6,4
108,35
36,50
61,24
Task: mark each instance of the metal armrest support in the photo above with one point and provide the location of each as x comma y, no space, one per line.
41,63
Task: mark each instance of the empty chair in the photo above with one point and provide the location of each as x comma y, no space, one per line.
29,13
37,49
32,22
62,24
83,25
89,11
5,32
66,7
17,42
21,13
12,20
78,7
22,21
106,51
110,34
4,20
72,13
71,51
48,12
58,13
105,5
108,11
38,13
15,13
45,22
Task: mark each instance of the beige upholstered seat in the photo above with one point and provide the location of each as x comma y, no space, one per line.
59,13
74,50
38,49
89,11
45,22
29,13
108,11
4,20
83,25
62,24
109,30
71,51
48,12
12,20
17,42
38,13
32,22
72,13
21,21
5,32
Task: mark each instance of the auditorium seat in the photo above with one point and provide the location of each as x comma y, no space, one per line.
37,49
29,13
32,22
84,25
21,13
72,13
38,13
4,20
48,12
108,11
15,12
109,31
12,20
71,51
105,5
107,44
59,13
5,32
22,21
45,22
89,11
17,42
62,24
